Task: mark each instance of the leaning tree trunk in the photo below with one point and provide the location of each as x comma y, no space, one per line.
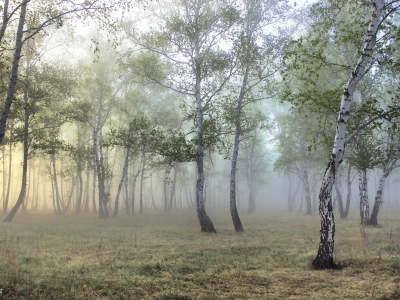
238,122
205,222
14,71
324,259
124,172
378,198
22,193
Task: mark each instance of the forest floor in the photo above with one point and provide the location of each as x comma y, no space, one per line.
165,256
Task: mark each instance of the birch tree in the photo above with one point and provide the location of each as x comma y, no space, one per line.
257,65
31,22
324,257
332,31
189,42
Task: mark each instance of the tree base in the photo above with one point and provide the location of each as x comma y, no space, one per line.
324,264
206,225
236,221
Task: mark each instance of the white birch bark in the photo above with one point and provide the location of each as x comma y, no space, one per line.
324,257
205,222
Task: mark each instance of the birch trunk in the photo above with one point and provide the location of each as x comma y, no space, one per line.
205,222
22,194
98,153
378,197
124,172
14,71
306,190
324,259
364,201
238,121
141,183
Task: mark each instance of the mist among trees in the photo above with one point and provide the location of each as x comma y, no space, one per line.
224,114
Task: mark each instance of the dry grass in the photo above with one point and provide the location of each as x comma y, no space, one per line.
164,256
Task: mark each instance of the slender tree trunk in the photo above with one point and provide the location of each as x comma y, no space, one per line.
324,259
364,202
205,222
165,188
70,196
173,188
126,193
14,71
56,184
5,202
124,172
378,197
141,182
86,207
238,122
22,194
134,185
339,200
94,193
79,202
153,205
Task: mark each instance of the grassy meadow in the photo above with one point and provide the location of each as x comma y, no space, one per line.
165,256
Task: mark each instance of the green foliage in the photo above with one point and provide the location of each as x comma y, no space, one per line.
146,66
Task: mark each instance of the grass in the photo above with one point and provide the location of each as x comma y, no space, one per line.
164,256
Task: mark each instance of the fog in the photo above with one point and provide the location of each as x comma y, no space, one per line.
221,114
